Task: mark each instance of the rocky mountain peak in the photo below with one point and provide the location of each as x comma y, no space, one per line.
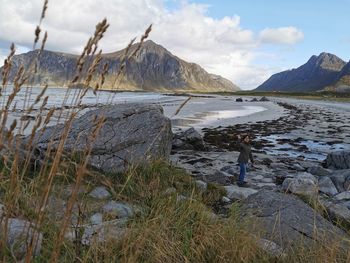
327,61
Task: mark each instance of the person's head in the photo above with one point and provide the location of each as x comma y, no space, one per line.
246,138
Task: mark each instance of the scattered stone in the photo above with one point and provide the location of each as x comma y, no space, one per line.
170,190
338,213
202,186
120,210
254,100
239,100
319,171
124,138
339,178
282,175
271,247
264,99
338,160
96,219
20,233
238,193
189,139
326,186
343,196
106,231
180,198
225,199
287,220
298,167
2,211
100,192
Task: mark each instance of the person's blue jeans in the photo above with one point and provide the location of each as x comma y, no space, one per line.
242,172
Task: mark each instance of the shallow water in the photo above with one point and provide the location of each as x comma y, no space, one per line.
314,150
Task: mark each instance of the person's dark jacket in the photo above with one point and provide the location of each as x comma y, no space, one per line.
245,153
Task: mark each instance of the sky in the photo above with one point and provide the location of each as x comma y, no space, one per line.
245,41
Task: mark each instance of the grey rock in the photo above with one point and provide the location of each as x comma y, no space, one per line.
338,160
19,235
342,196
170,190
121,210
298,167
96,219
202,186
100,192
338,213
218,177
180,198
319,171
326,186
239,100
106,231
264,99
287,220
278,166
225,199
238,193
347,183
303,184
189,139
271,247
132,134
339,178
2,211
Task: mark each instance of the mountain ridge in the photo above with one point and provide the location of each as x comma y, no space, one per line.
318,73
154,68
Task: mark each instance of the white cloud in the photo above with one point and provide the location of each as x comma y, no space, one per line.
282,35
221,46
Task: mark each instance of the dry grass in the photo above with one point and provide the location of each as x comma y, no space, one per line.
166,229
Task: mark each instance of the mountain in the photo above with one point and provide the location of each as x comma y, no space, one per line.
318,73
342,84
153,69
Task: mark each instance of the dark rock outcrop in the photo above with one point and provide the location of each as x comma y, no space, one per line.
189,139
288,221
338,160
318,73
153,69
131,134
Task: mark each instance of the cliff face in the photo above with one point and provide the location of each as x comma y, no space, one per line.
318,73
153,69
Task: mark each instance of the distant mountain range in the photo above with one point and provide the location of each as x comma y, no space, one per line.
153,69
323,72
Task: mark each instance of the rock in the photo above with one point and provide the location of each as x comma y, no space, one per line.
319,171
287,220
180,198
271,247
254,100
338,213
225,199
303,184
170,190
326,186
298,167
2,211
342,196
100,192
131,134
106,231
20,233
264,99
339,178
189,140
121,210
338,160
218,177
282,175
238,193
278,166
202,186
347,183
239,100
96,219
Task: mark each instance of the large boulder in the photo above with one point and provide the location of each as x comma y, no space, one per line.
288,221
326,186
340,178
338,160
303,184
131,134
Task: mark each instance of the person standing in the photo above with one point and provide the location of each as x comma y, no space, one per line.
245,154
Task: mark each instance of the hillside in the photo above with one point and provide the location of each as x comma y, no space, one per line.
153,69
318,73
